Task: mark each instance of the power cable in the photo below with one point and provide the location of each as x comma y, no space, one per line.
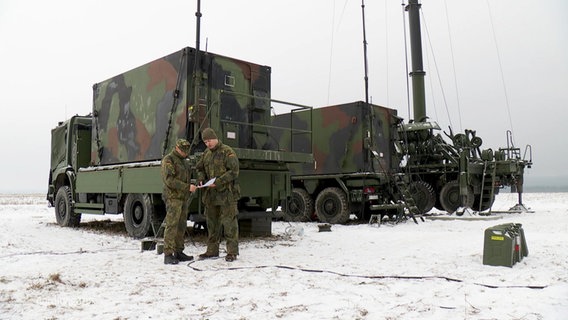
331,53
190,265
500,68
406,58
453,65
437,70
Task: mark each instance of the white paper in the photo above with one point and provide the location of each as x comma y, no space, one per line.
208,183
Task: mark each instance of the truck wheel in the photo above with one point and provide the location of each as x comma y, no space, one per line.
423,195
332,206
64,213
450,197
138,211
300,206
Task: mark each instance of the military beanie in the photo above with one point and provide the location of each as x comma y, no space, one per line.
208,134
183,145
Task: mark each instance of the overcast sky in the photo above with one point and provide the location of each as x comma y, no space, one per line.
492,65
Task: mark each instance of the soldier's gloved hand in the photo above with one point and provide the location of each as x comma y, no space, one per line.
192,188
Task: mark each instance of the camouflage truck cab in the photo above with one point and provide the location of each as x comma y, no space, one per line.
139,114
355,160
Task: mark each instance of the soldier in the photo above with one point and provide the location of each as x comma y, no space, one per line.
219,161
177,188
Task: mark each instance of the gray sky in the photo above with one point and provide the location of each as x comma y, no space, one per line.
492,65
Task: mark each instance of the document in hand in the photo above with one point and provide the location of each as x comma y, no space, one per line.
208,183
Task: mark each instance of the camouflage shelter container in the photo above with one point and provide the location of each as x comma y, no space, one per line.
345,138
354,152
139,114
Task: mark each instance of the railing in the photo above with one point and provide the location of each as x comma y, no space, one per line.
264,130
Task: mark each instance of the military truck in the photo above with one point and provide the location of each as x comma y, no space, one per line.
108,162
457,173
368,161
356,165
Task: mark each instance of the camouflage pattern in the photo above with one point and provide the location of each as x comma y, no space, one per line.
220,201
183,145
136,112
343,138
220,163
176,225
222,221
355,156
176,176
139,114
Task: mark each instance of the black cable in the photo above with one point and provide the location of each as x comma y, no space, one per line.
190,265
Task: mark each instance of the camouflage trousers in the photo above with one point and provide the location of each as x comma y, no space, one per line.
222,221
176,225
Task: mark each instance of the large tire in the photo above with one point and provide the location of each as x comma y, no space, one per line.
300,206
332,206
138,212
64,210
450,197
423,195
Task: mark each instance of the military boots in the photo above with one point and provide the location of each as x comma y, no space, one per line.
208,255
170,259
182,256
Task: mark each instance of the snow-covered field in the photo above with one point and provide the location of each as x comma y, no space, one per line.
429,270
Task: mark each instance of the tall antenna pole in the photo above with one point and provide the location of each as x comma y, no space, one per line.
367,110
198,26
365,53
195,83
196,65
418,74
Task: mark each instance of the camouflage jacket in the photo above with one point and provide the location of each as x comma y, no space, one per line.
176,175
220,163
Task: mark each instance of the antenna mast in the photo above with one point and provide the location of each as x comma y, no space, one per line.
365,53
195,82
418,73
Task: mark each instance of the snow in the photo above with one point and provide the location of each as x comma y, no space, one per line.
429,270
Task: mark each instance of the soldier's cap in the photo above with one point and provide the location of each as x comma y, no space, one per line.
208,134
183,145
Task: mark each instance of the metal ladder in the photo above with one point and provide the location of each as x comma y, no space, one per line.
487,184
409,202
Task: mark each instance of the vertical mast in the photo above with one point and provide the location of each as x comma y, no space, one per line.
365,54
198,26
417,73
367,110
196,76
197,63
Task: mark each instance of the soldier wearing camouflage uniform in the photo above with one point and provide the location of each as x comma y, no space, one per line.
176,175
220,161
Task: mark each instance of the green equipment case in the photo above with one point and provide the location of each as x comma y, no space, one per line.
504,245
